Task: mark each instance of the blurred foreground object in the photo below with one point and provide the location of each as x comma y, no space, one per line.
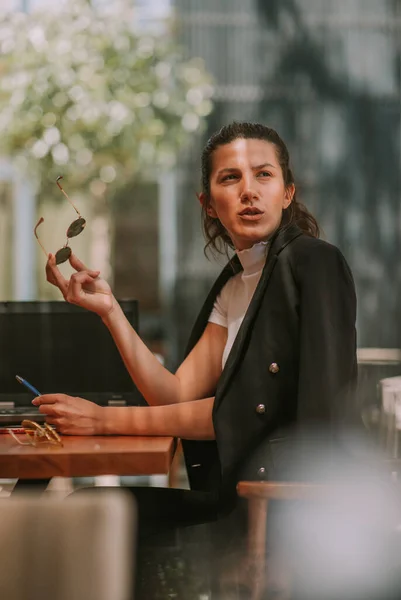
74,549
379,395
332,538
84,94
390,421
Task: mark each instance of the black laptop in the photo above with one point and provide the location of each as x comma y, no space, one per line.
59,347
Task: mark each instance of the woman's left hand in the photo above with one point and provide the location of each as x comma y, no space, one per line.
70,415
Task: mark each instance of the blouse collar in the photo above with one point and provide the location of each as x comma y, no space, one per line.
253,259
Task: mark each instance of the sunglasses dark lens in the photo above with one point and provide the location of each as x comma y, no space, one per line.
63,254
76,227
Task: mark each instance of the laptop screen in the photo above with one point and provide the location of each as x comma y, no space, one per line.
59,347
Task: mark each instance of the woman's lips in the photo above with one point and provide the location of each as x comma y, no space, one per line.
251,216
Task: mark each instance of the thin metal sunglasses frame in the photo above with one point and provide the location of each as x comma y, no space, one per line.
73,230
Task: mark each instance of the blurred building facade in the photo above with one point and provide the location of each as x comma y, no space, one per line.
326,75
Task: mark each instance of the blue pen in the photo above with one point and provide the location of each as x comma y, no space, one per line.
28,385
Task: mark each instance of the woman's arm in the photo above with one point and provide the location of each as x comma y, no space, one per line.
189,420
197,376
76,416
327,365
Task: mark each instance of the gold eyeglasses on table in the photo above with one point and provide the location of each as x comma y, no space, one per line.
74,229
36,434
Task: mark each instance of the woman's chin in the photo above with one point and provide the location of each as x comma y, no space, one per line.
250,238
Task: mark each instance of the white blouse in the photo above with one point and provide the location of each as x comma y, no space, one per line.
232,303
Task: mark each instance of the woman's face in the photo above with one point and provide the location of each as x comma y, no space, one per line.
247,191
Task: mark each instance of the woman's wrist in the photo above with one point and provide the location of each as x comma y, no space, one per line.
100,420
112,314
119,420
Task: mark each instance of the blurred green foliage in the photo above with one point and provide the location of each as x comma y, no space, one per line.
85,95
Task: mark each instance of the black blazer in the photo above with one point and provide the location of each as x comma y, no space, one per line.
292,365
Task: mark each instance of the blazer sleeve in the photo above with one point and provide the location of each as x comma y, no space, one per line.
327,359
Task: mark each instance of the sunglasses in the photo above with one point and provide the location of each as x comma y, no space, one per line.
74,229
36,434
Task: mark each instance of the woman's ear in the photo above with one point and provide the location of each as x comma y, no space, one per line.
209,209
201,197
289,195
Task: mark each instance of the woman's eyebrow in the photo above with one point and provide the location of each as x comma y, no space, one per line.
263,165
227,170
233,169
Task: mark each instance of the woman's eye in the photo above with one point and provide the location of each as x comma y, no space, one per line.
265,174
229,177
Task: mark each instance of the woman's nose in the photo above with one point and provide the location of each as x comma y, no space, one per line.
248,191
248,194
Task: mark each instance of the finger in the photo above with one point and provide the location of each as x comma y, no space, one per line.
78,265
46,399
76,284
50,276
53,421
54,276
49,409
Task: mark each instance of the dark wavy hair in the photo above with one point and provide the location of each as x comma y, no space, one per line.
216,236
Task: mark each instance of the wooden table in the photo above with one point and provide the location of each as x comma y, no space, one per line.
82,456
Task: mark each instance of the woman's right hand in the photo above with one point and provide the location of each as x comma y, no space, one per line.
84,288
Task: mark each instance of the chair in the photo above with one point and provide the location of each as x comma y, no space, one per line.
80,548
258,495
347,535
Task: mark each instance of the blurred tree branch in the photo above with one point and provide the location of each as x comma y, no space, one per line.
84,95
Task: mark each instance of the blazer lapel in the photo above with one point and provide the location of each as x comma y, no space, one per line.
279,242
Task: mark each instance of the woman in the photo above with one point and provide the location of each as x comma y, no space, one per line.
272,356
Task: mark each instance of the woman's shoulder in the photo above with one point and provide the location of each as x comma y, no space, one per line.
228,288
308,246
310,252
